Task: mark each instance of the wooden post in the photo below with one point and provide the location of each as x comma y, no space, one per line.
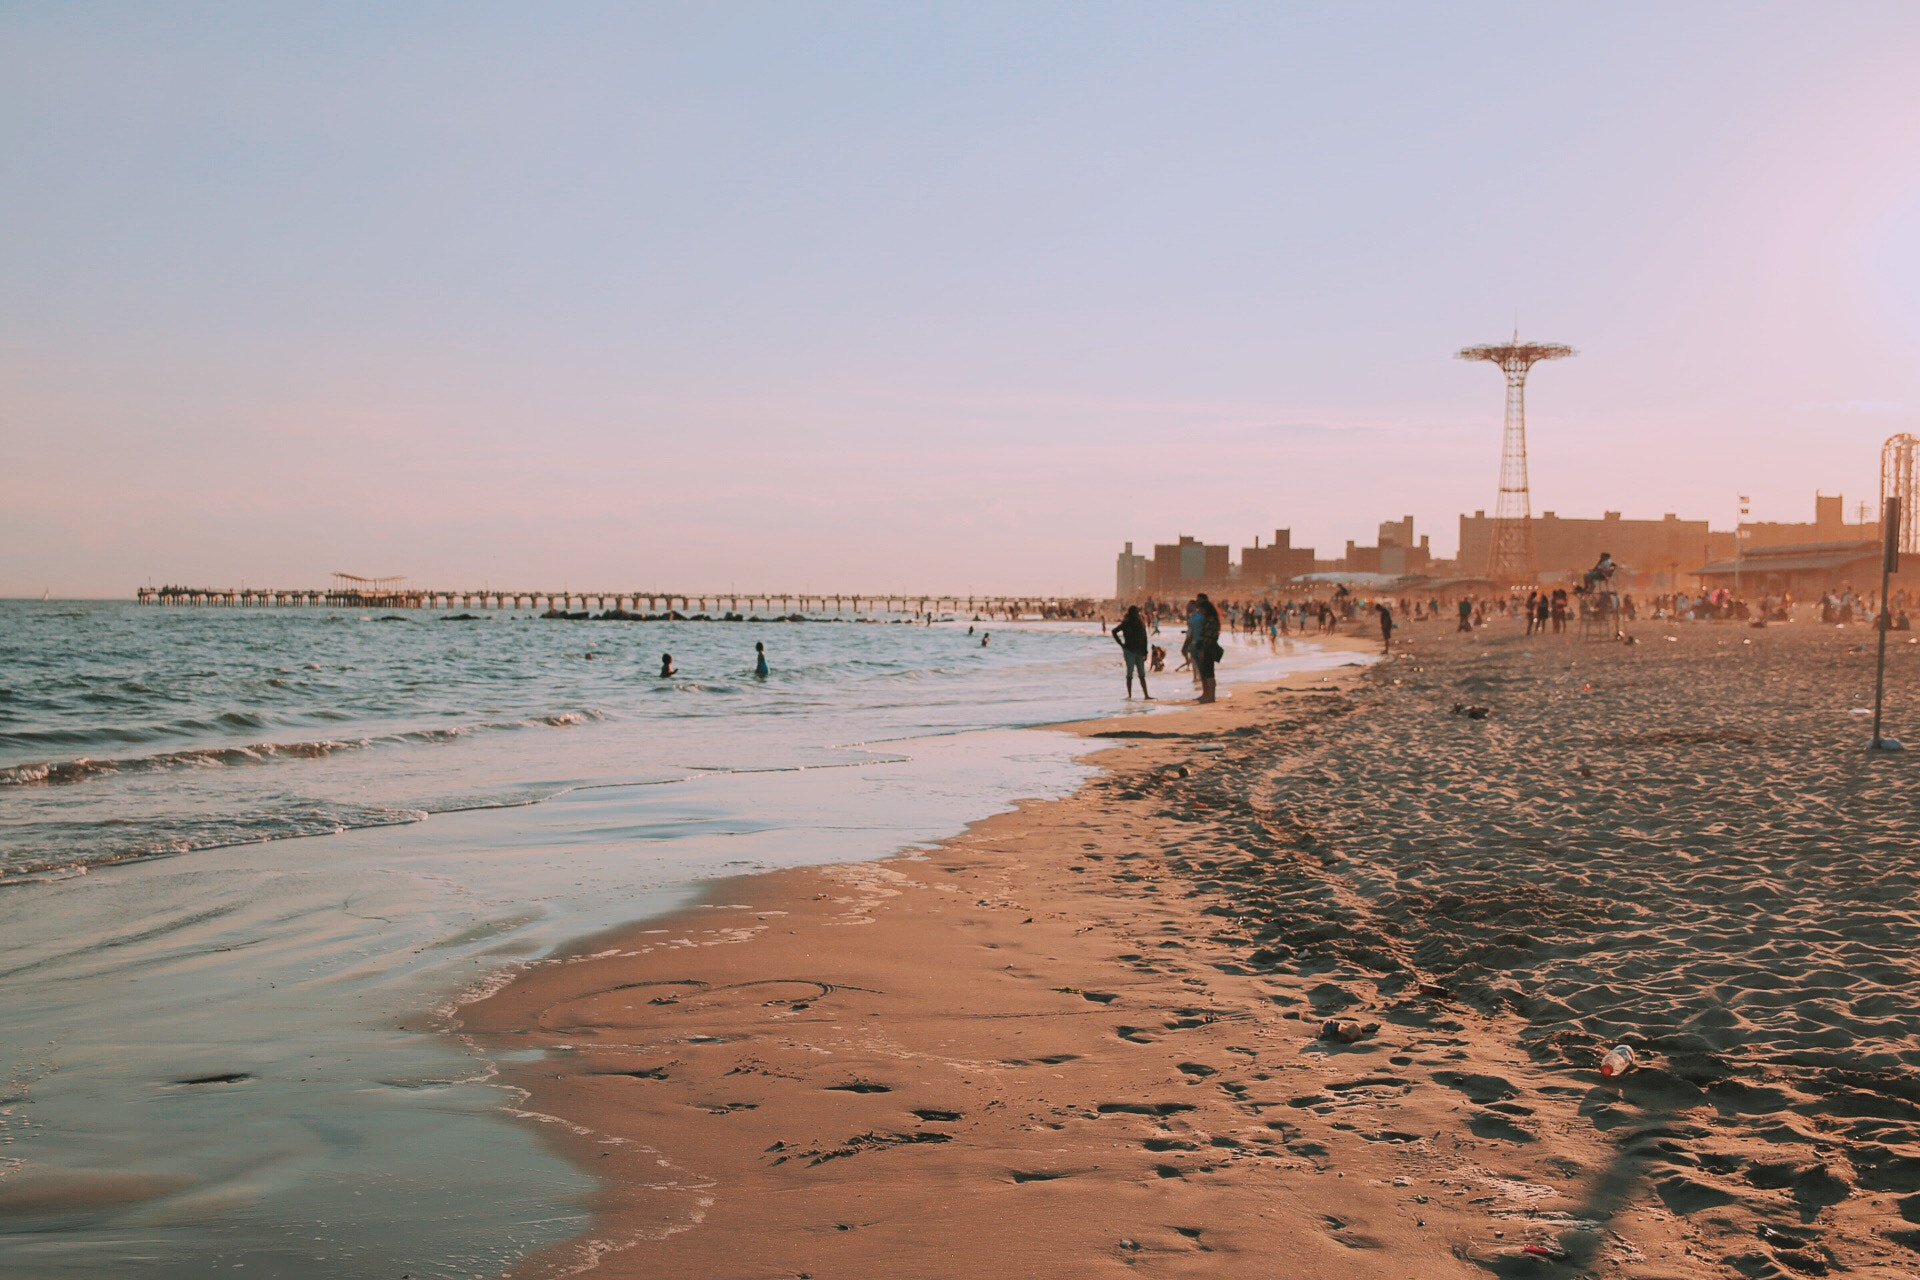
1889,561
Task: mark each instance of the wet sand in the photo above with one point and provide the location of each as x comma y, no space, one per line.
1083,1037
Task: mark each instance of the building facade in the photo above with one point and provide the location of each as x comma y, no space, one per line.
1129,575
1656,551
1395,551
1274,565
1829,526
1187,565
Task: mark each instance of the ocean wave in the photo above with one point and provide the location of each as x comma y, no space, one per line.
129,840
83,768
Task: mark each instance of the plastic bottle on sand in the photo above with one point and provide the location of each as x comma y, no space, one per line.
1619,1061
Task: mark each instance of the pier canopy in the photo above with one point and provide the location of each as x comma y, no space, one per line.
350,582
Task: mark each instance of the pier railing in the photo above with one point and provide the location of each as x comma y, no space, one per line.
655,602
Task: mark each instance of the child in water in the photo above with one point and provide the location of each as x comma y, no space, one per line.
666,666
760,659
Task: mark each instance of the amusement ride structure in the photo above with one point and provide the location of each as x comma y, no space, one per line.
1510,558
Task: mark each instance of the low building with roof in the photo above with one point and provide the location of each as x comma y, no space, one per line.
1805,569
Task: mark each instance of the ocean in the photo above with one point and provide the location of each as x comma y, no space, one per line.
251,861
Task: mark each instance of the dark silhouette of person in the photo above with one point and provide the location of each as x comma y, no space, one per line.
666,666
1206,645
1131,636
760,659
1386,626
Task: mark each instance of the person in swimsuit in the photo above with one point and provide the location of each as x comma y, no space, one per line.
760,659
666,666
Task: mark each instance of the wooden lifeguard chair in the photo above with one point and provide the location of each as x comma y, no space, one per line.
1601,614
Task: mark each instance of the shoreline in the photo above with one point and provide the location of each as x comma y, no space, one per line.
1083,1037
830,1070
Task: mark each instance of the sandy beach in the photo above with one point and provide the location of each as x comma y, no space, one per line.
1085,1037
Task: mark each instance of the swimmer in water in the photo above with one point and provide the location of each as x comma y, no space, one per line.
984,637
666,666
760,659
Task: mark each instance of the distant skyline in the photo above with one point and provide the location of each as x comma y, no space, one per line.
938,297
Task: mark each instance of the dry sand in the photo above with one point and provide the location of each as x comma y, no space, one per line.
1081,1039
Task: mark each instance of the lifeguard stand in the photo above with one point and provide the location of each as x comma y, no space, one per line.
1601,611
1601,614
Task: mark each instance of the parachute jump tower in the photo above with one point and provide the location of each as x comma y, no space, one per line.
1510,559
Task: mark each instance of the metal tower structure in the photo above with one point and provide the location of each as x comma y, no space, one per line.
1510,558
1900,478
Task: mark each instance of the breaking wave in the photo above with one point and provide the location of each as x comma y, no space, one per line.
83,768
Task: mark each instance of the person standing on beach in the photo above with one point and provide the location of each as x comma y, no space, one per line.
1386,625
760,659
1206,643
1131,635
1466,614
1186,639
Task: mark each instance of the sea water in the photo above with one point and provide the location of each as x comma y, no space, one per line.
246,854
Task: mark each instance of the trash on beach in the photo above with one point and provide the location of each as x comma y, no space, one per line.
1543,1251
1347,1030
1619,1060
1471,712
1435,990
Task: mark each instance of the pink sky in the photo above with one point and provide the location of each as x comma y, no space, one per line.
871,297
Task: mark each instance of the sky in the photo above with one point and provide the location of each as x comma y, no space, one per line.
923,297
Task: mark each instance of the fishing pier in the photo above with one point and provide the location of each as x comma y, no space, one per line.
351,592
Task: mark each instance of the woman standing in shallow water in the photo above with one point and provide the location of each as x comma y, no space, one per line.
1131,636
760,659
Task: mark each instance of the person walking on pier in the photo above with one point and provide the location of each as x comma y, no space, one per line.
1131,636
760,659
